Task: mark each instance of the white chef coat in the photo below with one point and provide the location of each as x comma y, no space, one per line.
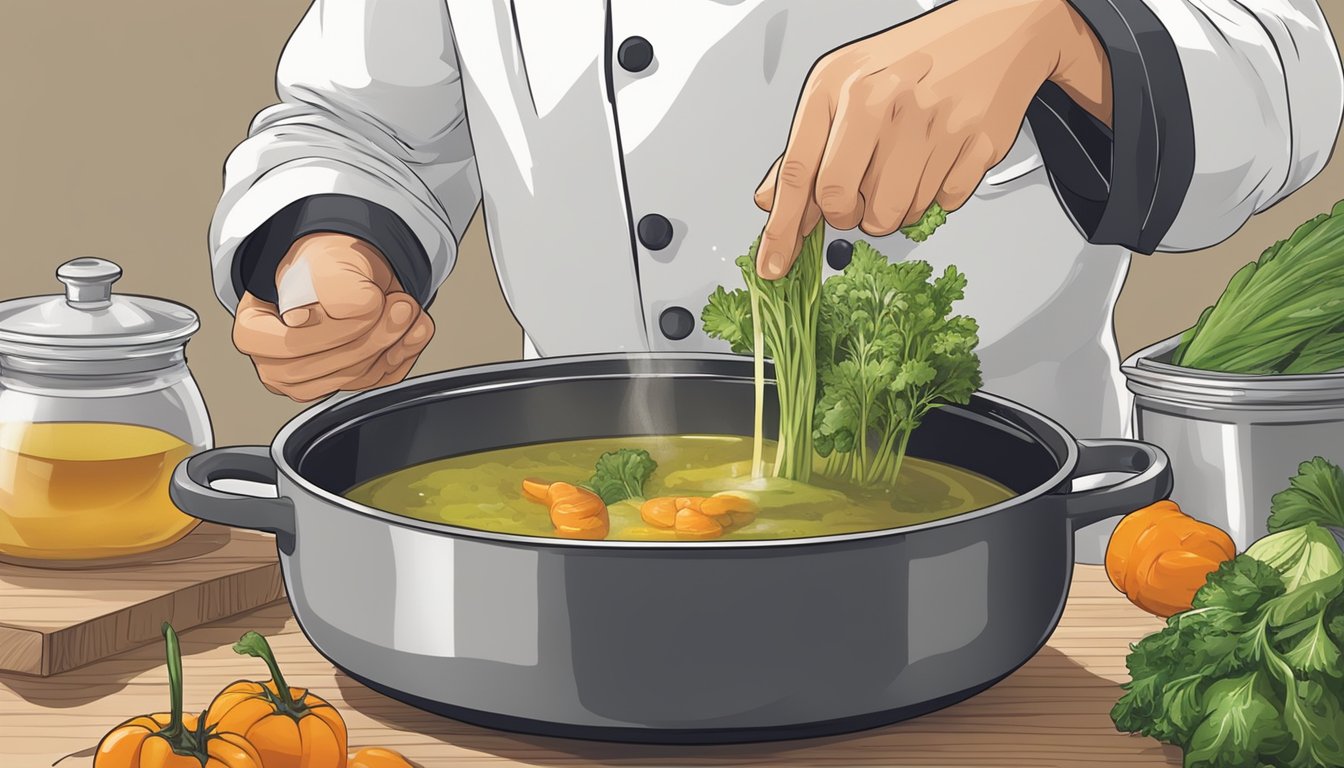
429,107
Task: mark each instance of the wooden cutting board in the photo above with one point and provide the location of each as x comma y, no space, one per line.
52,620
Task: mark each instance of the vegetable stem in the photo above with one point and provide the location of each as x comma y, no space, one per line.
758,371
174,652
180,739
253,644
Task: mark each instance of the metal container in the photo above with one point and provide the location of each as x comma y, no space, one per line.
696,641
1234,440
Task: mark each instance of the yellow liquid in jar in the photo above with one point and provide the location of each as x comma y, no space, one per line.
87,491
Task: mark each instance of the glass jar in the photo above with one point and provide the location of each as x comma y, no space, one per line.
97,407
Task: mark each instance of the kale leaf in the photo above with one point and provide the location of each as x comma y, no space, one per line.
1251,675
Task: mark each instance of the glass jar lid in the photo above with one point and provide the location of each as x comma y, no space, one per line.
89,322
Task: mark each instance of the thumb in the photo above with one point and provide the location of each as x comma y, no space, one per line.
295,293
298,317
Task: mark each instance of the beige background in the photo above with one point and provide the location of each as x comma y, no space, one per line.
117,117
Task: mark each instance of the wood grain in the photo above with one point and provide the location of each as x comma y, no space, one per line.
1054,711
53,621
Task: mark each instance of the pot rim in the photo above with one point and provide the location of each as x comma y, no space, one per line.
1149,375
330,406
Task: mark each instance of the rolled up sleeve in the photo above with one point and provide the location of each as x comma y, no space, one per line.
1221,109
369,139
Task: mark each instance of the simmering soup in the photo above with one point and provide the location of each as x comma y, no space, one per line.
485,491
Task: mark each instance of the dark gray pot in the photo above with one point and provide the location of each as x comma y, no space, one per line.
691,642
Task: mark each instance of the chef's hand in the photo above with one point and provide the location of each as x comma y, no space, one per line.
917,114
363,331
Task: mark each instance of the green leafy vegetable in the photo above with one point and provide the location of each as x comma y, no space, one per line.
889,352
728,317
858,361
932,219
1281,314
1315,495
1251,675
621,475
788,318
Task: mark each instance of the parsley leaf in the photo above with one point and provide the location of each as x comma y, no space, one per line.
621,475
727,316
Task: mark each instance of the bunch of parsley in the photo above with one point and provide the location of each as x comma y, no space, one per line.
1252,674
889,351
859,359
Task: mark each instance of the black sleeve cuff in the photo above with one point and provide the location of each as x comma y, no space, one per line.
1122,186
261,252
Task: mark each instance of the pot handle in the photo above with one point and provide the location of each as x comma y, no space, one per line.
191,492
1150,483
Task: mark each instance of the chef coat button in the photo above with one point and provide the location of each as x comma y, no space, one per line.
635,54
676,323
655,232
839,253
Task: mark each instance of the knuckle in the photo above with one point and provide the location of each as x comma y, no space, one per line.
875,93
836,198
242,337
880,223
927,97
795,174
826,67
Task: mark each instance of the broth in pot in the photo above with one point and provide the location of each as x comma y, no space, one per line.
484,491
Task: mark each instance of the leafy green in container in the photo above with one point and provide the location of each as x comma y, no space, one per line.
1281,314
1252,674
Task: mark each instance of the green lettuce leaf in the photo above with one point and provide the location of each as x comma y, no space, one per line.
1314,495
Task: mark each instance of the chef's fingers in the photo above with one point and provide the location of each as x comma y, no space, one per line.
258,330
977,157
940,162
765,193
396,375
396,362
392,326
368,373
893,178
849,150
347,276
345,290
795,185
308,391
414,342
810,219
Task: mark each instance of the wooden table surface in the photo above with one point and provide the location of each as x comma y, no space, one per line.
1054,711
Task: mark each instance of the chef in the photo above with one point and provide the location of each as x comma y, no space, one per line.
625,153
